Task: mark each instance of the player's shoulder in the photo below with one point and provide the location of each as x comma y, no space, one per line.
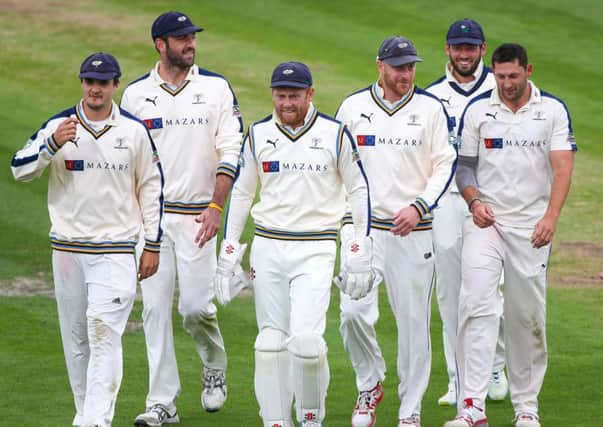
139,82
358,95
436,84
67,112
263,122
428,99
327,119
479,101
204,73
552,99
132,120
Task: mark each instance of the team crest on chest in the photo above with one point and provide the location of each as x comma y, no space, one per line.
316,144
198,99
120,143
413,120
539,115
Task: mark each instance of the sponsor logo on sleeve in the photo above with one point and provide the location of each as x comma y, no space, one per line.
365,140
74,165
271,166
493,143
156,123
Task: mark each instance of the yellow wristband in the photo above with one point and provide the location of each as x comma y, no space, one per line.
216,207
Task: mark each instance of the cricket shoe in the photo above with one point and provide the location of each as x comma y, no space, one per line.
214,391
156,416
498,386
310,423
448,398
413,421
527,419
364,414
469,416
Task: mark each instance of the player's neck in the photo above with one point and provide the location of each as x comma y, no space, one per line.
97,115
171,74
516,105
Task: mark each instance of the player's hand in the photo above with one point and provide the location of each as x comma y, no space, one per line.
483,215
148,264
210,224
230,277
544,231
357,276
405,221
66,131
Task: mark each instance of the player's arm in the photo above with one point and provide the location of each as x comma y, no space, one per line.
562,164
229,276
442,159
563,148
466,173
29,162
149,190
228,145
211,217
355,182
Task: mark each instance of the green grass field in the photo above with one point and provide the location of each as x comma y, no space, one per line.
44,43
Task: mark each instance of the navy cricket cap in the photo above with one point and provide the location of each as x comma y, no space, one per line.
173,24
465,31
291,74
100,66
397,50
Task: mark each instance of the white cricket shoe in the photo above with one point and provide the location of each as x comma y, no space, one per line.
156,416
469,416
214,391
527,419
413,421
498,386
364,414
310,423
448,398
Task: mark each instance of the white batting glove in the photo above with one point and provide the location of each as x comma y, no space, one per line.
357,276
230,278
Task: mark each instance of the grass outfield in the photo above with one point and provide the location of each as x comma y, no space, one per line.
44,43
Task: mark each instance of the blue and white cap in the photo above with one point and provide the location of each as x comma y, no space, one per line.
100,66
291,74
398,50
173,24
465,31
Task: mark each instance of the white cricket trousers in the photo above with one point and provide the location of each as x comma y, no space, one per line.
448,222
486,252
95,294
407,266
181,261
292,290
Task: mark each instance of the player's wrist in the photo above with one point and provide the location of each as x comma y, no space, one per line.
214,205
475,201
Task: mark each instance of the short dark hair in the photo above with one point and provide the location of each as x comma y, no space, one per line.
509,52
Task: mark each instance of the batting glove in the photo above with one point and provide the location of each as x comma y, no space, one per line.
357,276
230,278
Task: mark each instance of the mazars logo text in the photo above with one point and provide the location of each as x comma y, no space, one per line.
527,143
406,142
186,121
303,167
118,167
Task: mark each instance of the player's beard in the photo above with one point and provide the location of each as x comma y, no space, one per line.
464,72
178,59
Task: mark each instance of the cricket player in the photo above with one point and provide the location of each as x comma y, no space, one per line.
515,164
406,146
194,118
466,77
302,160
105,183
